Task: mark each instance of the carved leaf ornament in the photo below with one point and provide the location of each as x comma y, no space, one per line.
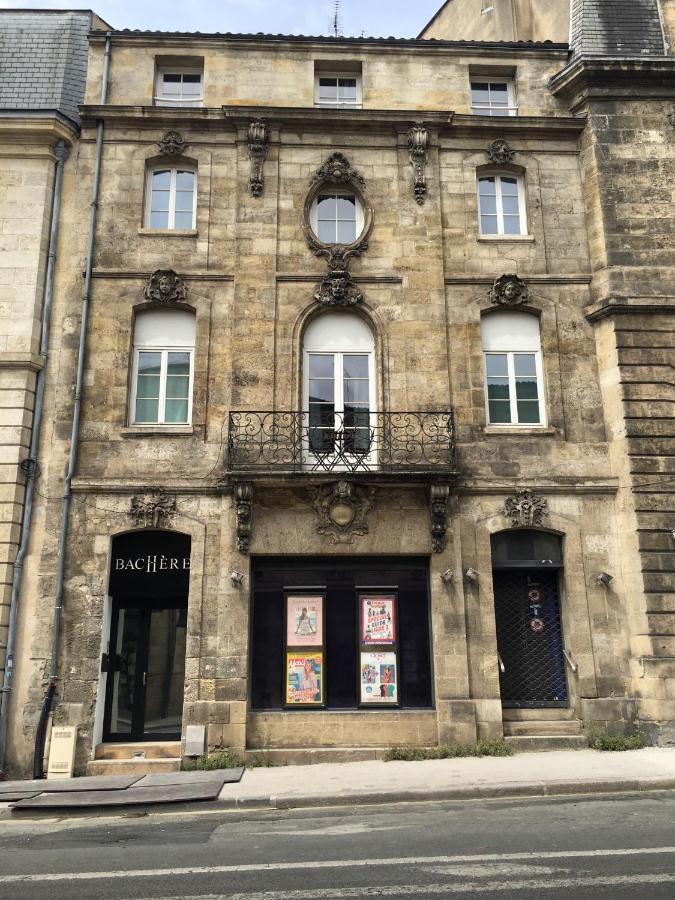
342,510
526,509
152,510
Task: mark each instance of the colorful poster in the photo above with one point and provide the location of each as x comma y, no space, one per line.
304,621
304,679
379,678
378,624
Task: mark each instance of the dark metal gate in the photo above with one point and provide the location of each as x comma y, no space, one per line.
529,638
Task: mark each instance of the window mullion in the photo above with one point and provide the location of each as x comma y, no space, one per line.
172,199
510,357
162,387
500,206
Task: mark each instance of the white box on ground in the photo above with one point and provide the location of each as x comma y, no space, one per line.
62,751
195,740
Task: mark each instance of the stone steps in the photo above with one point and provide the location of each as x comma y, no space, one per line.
538,743
305,756
132,766
533,715
145,750
544,728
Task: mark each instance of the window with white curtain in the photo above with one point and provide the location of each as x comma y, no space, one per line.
493,97
514,381
163,368
336,217
171,198
179,87
341,89
501,205
338,384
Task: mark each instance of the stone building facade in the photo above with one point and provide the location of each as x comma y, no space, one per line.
357,456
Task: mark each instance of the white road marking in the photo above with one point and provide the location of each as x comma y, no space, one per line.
409,890
333,864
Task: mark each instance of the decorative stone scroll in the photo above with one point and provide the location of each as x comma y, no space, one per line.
172,144
439,496
165,286
337,170
509,290
152,510
418,145
258,144
243,504
342,509
500,152
526,509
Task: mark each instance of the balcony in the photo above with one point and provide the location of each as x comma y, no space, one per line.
361,442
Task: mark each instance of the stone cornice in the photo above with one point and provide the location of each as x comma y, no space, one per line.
31,361
25,126
611,306
608,77
578,484
528,279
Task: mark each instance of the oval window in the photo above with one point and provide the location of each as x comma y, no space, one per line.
336,217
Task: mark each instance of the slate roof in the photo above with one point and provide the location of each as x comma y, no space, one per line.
627,28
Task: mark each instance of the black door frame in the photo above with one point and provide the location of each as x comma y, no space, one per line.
137,734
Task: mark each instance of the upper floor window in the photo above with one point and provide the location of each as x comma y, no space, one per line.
513,369
337,217
493,98
171,198
163,364
338,89
179,88
501,203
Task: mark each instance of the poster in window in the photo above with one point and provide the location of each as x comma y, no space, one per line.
379,678
304,679
304,621
378,619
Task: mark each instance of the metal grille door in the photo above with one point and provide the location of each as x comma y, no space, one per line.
529,638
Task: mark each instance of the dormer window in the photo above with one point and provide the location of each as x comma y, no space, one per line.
179,87
493,97
337,85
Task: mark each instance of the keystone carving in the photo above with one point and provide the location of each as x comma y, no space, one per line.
258,143
338,170
342,509
418,145
172,144
526,509
509,290
243,502
153,510
338,289
439,496
500,152
165,286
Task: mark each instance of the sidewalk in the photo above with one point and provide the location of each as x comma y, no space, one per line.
523,775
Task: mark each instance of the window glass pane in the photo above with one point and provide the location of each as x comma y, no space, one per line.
500,412
172,77
321,415
178,363
488,205
192,78
528,412
184,201
177,387
184,220
509,187
355,366
327,207
497,364
498,92
525,364
488,224
498,389
147,386
161,181
185,181
321,366
346,208
321,389
511,224
159,220
526,389
160,201
486,185
176,411
146,411
149,363
348,89
356,390
480,92
346,232
328,88
327,232
510,206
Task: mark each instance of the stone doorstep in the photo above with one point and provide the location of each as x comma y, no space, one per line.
544,727
305,756
150,750
132,766
539,743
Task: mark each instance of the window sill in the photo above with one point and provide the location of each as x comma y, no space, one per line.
154,430
520,238
169,232
519,429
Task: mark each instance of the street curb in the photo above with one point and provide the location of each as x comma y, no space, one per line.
370,798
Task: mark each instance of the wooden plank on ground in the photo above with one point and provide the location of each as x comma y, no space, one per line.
88,783
171,793
220,776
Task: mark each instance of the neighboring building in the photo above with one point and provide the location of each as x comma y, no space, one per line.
501,20
43,68
358,461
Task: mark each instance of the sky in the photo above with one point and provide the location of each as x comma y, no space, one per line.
375,18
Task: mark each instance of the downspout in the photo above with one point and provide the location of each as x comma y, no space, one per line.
30,466
41,733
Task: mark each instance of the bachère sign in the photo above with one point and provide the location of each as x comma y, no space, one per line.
150,564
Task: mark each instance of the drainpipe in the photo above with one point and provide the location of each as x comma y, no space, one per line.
41,733
30,466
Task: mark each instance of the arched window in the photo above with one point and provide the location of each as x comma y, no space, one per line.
163,366
337,217
514,382
339,383
501,204
171,198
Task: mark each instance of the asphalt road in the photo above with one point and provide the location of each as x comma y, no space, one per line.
618,847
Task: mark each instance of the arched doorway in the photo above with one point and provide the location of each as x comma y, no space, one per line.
145,660
526,568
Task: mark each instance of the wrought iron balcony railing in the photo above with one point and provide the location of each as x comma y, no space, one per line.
357,441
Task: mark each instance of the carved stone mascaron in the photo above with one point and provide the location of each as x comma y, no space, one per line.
165,286
526,509
509,290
